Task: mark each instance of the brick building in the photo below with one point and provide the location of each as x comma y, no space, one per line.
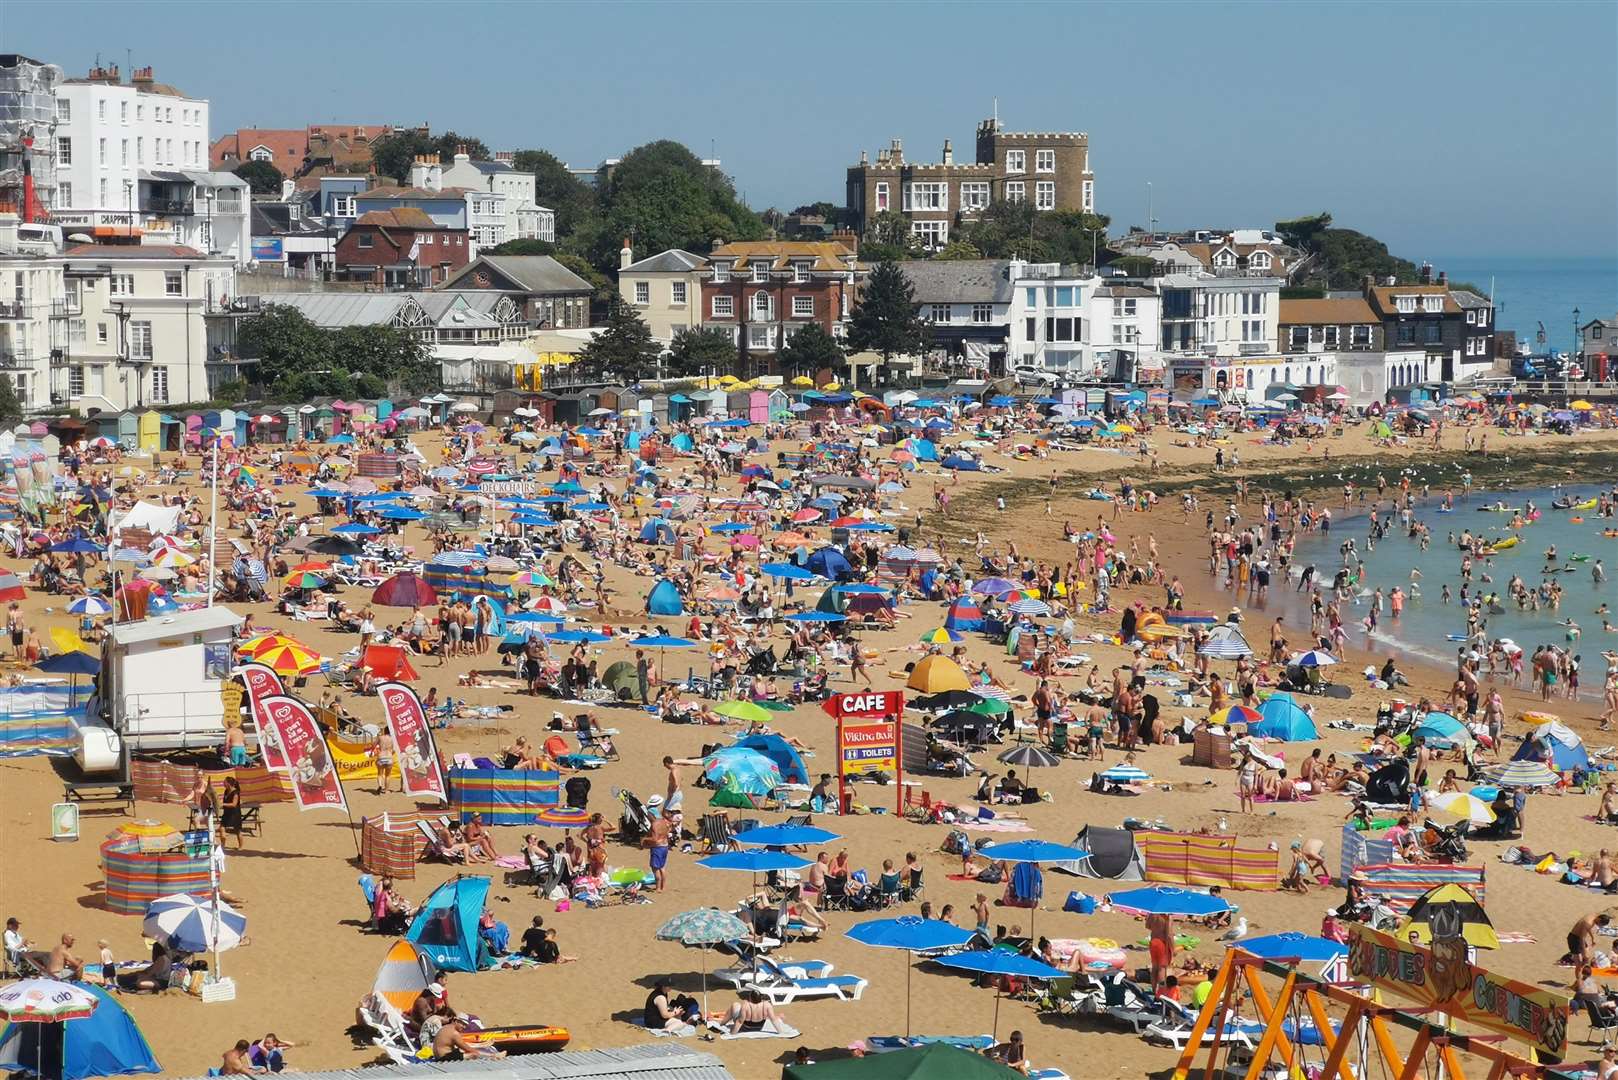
402,248
764,291
1049,169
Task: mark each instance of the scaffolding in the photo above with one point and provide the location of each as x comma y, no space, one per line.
27,127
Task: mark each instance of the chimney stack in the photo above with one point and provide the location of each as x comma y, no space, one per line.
1426,277
949,153
1443,277
141,76
864,158
626,255
896,151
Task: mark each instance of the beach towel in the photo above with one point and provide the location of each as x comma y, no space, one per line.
1001,826
1516,937
765,1030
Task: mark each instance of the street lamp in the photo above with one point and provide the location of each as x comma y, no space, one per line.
1574,351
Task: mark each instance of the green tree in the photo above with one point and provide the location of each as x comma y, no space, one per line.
284,342
809,349
701,349
1007,229
389,353
557,188
661,196
393,153
525,246
262,177
449,144
10,407
958,250
605,290
891,229
623,351
886,319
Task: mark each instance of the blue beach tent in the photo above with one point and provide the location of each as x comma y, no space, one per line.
1284,720
778,750
446,927
664,599
828,562
105,1043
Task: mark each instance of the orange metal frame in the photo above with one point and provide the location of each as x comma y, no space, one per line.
1242,969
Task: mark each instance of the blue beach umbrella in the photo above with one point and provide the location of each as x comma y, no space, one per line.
753,860
663,641
1170,900
571,636
817,617
590,507
90,604
1289,945
194,924
786,836
1001,962
787,571
911,934
354,528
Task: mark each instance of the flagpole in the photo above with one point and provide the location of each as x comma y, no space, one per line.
213,519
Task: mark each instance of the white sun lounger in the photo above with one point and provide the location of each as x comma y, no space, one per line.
779,988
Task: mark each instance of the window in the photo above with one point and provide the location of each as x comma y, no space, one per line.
1123,307
803,307
760,337
173,283
101,333
123,112
721,272
140,340
64,151
938,313
762,308
1299,338
881,195
1030,297
140,111
1432,333
140,150
1595,332
1259,260
1331,337
974,195
1117,334
64,194
101,110
643,292
121,285
64,110
1088,203
1044,160
75,332
761,271
101,151
1483,317
1471,317
724,307
365,240
677,292
928,196
160,384
1045,195
1067,296
1030,329
1062,329
1432,305
1361,337
1406,304
1407,335
1016,161
75,380
800,272
982,313
343,206
1016,191
934,234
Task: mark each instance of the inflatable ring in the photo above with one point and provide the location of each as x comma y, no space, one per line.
1576,520
1536,717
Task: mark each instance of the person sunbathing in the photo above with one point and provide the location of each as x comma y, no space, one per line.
451,847
752,1010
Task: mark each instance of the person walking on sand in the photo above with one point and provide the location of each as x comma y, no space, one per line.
1247,779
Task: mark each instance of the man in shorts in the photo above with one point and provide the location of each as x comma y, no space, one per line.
659,842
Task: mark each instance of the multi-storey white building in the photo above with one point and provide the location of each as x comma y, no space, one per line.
107,326
499,201
131,161
1219,334
1067,322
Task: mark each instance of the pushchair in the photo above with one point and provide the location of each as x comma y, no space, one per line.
634,822
578,792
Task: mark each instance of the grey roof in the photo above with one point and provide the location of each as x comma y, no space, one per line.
186,622
334,311
1469,299
535,273
672,261
650,1061
1125,290
961,281
491,166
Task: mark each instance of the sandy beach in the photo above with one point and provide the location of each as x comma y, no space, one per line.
307,962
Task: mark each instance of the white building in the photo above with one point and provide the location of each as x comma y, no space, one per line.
131,160
500,200
1219,333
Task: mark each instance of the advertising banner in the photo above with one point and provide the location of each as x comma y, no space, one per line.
353,760
262,682
419,767
1443,977
867,729
315,783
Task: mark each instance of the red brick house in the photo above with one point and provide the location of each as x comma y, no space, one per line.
401,249
762,291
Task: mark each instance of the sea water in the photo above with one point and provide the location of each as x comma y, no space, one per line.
1530,291
1429,627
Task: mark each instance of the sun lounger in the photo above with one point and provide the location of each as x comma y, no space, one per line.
1175,1029
882,1044
779,988
798,969
1126,1004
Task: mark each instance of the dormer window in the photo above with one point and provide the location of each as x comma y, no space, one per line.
761,271
1225,258
1407,304
721,272
1259,260
1433,305
800,272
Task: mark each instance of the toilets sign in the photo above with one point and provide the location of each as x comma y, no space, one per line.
868,732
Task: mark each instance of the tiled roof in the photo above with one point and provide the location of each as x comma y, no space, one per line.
395,191
960,281
672,261
781,254
1335,312
1382,297
133,251
531,273
402,217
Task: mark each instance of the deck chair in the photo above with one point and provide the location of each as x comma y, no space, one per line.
912,889
1123,1003
835,898
434,849
888,889
715,832
588,743
1175,1026
1059,741
779,988
556,747
1605,1024
368,886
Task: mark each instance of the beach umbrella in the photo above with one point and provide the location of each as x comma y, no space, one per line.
787,572
588,637
562,817
289,658
1126,774
947,699
989,706
1463,806
1236,714
547,605
1169,900
995,587
1315,658
786,836
1522,774
941,636
106,1042
910,934
404,589
90,604
1033,851
1291,945
77,545
1029,607
934,674
172,557
703,928
742,768
817,617
1002,962
1225,642
531,577
402,513
355,529
1457,904
46,1001
194,924
73,663
753,860
1029,756
303,579
743,710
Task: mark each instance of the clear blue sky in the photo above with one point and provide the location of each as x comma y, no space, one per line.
1446,129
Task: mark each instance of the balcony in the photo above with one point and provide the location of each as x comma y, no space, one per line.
1254,348
151,205
11,359
13,309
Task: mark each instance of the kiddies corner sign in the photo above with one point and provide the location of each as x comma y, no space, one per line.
1443,978
867,730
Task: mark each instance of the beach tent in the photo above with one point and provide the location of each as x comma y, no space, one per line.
1441,730
389,662
778,750
936,674
621,679
1284,720
1556,745
106,1043
964,614
1113,855
828,562
833,600
404,974
664,599
1389,785
446,927
657,531
961,464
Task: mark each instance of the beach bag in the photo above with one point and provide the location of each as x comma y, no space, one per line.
957,842
1080,903
991,875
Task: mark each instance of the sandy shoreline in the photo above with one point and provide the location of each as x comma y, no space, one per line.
308,963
